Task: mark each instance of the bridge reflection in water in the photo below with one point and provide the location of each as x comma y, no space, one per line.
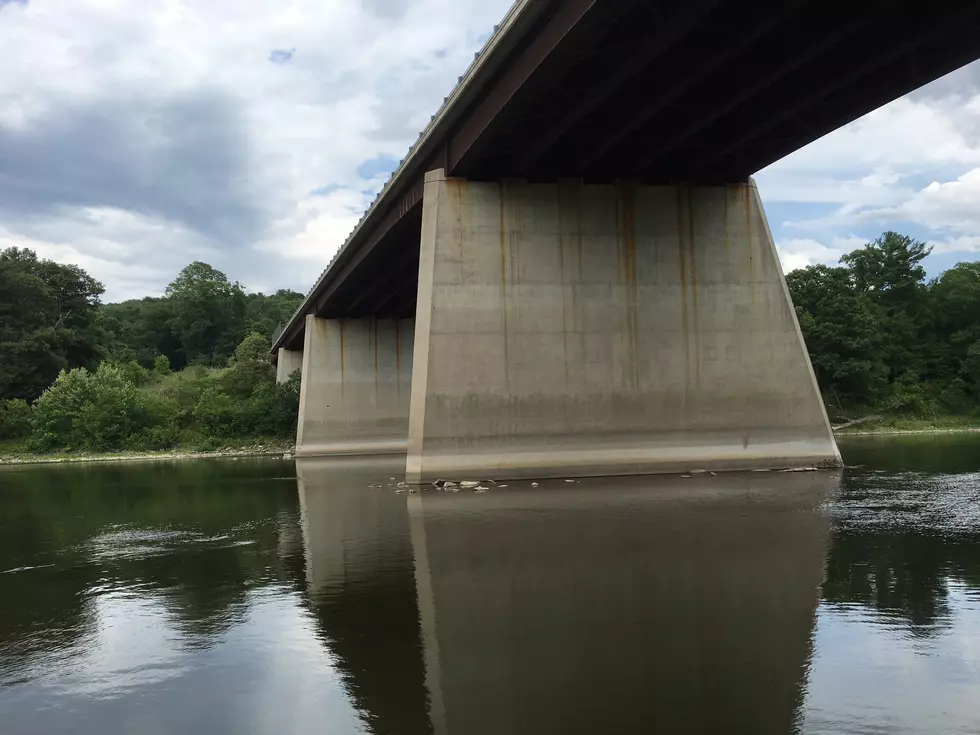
685,604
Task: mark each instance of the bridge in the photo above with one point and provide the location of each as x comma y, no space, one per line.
571,272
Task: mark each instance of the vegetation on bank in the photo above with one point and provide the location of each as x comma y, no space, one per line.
884,341
126,407
191,370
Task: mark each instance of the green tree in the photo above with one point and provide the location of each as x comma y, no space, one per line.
208,313
161,365
49,321
843,334
95,411
15,419
889,270
264,314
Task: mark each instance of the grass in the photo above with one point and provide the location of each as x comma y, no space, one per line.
909,425
17,453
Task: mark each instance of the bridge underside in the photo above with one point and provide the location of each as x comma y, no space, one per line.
706,91
674,345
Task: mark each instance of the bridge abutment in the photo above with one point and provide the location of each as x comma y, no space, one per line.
570,329
355,389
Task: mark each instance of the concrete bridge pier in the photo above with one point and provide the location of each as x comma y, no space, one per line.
288,362
569,329
355,389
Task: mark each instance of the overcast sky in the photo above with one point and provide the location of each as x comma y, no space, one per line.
138,136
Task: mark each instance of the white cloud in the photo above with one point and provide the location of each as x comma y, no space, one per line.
136,137
801,252
181,115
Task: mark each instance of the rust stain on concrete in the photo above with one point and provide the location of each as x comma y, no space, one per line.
694,286
377,367
502,191
398,358
682,265
747,197
626,239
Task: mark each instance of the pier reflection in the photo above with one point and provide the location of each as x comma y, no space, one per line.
683,604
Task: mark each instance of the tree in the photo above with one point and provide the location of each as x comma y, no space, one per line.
889,270
843,334
49,321
208,313
263,314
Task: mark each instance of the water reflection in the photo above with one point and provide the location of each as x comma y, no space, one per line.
263,597
685,604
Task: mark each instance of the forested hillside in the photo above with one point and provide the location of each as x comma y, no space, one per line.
192,367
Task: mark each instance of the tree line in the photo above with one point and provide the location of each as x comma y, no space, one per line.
884,339
192,365
189,367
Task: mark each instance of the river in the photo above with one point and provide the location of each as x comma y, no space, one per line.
262,596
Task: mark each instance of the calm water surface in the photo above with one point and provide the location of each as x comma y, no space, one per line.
258,596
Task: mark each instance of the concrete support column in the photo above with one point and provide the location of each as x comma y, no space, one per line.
288,362
356,384
565,329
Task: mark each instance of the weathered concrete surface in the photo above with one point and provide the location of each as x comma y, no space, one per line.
356,385
288,362
565,329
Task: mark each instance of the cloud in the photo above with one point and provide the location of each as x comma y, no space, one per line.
136,139
912,166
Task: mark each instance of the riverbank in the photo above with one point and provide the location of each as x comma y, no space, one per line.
16,455
886,425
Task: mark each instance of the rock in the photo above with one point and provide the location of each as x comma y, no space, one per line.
402,484
534,484
412,491
697,472
449,484
469,483
399,491
287,455
569,480
799,469
688,477
713,474
481,488
503,486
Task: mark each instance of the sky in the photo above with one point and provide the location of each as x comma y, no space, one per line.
136,137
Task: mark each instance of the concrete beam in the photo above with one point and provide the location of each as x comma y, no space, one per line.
288,362
356,385
565,329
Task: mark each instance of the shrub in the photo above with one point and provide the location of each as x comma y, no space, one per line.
215,414
134,373
15,419
94,411
161,365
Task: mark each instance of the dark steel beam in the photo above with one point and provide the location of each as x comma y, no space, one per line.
703,120
411,199
394,272
683,83
649,49
463,143
338,275
839,79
